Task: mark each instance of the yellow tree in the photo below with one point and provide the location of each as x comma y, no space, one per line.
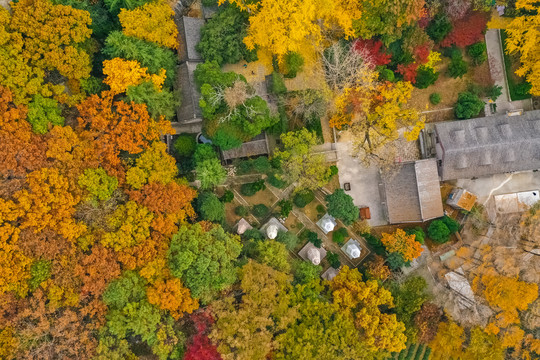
171,295
377,115
381,331
152,22
524,38
52,35
448,342
123,73
284,26
507,294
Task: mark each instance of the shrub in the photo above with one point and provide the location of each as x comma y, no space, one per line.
395,261
439,232
227,197
259,210
427,353
261,164
418,232
477,52
333,259
253,234
452,224
320,209
439,27
244,167
285,207
294,62
425,77
210,208
251,189
333,170
375,243
288,238
275,182
468,105
278,85
523,89
387,74
240,211
302,198
305,272
341,206
457,67
314,239
435,98
493,92
339,236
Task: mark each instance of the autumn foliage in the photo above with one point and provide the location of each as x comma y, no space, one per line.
402,243
467,31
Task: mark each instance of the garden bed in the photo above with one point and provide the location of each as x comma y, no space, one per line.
265,197
448,88
310,210
511,64
293,224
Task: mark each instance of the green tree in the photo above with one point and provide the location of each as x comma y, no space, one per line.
305,271
274,254
99,185
468,105
425,77
477,52
439,27
288,238
185,145
222,37
210,208
40,271
299,162
438,231
204,260
204,152
457,67
159,102
129,288
44,113
340,205
150,55
293,64
115,6
409,297
210,173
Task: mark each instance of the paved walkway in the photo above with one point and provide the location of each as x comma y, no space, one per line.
364,183
496,62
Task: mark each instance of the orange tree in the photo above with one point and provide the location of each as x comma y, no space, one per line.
402,243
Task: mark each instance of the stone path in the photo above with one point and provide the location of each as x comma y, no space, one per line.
496,62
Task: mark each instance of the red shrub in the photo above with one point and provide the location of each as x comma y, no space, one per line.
421,53
408,71
374,50
467,31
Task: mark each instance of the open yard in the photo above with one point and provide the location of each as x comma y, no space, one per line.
448,88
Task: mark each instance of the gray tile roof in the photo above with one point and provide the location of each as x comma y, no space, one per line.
189,29
413,194
256,146
189,110
487,146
